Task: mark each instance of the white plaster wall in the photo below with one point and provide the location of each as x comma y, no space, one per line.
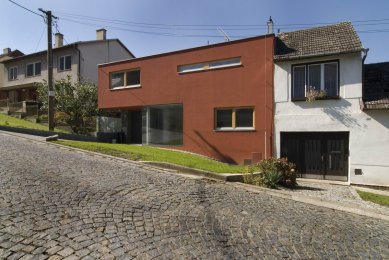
100,52
21,64
369,131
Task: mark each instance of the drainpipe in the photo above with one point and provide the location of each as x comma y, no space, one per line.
365,51
79,62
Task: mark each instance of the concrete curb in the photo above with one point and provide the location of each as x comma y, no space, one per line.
239,185
48,133
230,177
310,200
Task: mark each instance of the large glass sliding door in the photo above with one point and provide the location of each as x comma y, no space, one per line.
162,125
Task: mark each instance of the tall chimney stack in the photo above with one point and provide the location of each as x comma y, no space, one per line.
6,50
58,40
101,35
270,25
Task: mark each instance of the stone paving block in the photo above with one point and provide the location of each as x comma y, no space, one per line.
87,207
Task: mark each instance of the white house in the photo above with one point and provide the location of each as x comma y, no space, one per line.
341,135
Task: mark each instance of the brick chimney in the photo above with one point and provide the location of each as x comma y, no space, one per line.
6,50
101,35
58,40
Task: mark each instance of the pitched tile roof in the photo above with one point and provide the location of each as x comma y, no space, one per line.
326,40
376,85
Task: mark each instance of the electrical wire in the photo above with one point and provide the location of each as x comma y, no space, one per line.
25,8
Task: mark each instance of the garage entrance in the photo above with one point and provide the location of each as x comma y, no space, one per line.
318,155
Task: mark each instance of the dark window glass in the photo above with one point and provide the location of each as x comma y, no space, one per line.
331,79
298,82
68,62
30,70
37,68
223,118
61,63
117,80
314,76
133,77
244,117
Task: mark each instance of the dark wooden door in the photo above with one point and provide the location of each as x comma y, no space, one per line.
322,155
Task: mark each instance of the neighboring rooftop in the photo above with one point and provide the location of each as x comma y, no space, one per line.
376,85
319,41
100,37
7,54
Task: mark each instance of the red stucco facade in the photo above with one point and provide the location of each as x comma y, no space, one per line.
247,85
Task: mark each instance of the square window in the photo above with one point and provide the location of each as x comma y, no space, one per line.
224,118
117,80
65,62
244,117
133,78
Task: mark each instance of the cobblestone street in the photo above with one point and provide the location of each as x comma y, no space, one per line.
60,204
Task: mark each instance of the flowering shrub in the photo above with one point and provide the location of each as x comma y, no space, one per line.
313,94
272,172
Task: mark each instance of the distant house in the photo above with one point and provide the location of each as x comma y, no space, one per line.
214,100
78,60
7,54
337,136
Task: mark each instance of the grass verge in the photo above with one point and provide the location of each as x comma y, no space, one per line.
376,198
147,153
21,123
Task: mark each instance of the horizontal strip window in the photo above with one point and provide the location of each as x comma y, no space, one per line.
234,118
125,79
209,65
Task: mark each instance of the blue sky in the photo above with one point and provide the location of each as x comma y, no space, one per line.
180,20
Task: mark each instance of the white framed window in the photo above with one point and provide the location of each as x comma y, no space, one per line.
125,79
230,119
209,65
12,73
65,63
33,69
323,76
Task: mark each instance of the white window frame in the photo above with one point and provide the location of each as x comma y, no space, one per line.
11,73
64,63
33,69
124,79
322,76
202,66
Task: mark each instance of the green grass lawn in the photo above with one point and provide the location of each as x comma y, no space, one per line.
21,123
147,153
376,198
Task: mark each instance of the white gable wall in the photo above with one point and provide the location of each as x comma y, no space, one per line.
369,131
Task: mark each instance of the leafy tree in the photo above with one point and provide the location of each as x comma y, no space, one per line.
75,103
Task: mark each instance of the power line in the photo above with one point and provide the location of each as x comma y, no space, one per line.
25,8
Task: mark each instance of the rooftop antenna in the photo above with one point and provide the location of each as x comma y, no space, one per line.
226,37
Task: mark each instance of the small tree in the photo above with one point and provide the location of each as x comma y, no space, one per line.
75,103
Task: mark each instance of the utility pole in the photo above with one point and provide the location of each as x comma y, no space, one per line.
49,18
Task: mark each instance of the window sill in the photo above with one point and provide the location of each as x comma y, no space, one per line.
317,99
64,70
126,87
32,76
238,129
